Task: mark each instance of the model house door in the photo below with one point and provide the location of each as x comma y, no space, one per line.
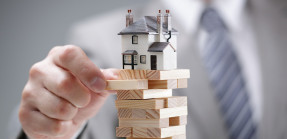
153,62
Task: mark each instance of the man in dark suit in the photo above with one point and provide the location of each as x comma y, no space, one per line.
65,91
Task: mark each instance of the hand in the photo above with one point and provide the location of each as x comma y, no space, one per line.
63,91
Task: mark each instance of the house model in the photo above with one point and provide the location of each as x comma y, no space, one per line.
145,102
149,43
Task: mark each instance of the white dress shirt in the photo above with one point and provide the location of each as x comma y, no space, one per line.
188,13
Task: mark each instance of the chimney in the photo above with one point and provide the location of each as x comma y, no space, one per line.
167,20
129,18
159,22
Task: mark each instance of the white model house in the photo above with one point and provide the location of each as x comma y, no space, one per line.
149,43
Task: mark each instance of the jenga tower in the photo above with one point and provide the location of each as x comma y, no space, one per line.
146,107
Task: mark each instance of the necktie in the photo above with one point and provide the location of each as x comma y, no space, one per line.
226,77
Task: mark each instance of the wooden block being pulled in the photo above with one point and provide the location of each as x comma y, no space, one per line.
124,113
126,84
181,83
123,131
144,122
167,74
141,104
143,94
179,120
128,74
162,84
173,137
143,132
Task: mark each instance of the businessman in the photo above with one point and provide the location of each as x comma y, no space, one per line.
235,50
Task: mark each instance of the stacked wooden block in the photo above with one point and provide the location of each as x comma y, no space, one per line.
146,107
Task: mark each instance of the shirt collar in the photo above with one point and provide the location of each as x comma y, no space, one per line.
188,12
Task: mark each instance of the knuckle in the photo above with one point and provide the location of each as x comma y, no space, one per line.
27,93
22,114
65,110
69,52
54,49
58,128
36,70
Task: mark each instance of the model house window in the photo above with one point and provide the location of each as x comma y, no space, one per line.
128,59
134,39
135,59
143,59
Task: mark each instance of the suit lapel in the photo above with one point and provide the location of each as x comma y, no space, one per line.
270,23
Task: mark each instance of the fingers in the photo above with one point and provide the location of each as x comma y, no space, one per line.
63,84
55,107
75,60
58,98
36,123
47,103
39,124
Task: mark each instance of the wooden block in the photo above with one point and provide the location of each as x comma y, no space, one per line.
179,120
124,113
167,74
138,113
141,104
131,113
123,131
126,84
143,94
166,113
173,137
162,84
142,132
181,83
128,74
157,103
144,122
175,101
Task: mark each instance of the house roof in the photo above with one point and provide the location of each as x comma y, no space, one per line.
146,25
159,46
130,52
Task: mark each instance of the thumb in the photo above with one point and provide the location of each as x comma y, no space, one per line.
110,74
97,98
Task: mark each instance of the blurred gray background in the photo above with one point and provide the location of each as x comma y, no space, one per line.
28,30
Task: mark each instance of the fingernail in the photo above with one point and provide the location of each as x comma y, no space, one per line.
115,76
98,84
112,75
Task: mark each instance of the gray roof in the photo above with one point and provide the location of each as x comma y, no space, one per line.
130,52
159,46
146,25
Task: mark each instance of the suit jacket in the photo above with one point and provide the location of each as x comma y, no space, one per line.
97,36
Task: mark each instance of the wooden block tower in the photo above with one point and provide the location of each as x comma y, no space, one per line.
146,107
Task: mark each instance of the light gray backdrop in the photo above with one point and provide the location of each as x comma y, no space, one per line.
28,30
